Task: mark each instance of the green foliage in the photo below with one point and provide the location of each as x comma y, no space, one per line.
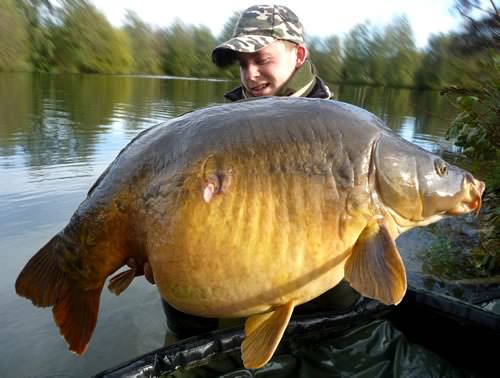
377,61
326,55
486,256
441,260
375,57
39,27
468,131
180,50
229,26
232,71
73,36
204,42
473,57
434,70
143,45
480,27
357,52
447,260
475,128
14,50
187,51
399,53
461,58
86,41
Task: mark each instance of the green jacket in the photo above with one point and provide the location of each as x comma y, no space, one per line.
304,77
320,90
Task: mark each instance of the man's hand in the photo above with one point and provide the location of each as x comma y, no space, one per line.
148,273
146,270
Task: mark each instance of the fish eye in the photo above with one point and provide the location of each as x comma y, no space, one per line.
441,167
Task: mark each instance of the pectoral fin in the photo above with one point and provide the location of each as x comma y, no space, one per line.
263,334
375,268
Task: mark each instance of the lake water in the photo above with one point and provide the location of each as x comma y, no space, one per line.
57,134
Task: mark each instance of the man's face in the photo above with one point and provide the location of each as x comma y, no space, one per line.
263,72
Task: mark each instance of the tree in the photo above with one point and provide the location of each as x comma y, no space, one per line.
400,53
204,42
434,63
231,71
86,41
326,56
145,55
187,51
356,53
14,53
481,32
179,51
229,26
38,15
377,61
475,128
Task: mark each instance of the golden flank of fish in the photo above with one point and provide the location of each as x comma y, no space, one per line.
248,210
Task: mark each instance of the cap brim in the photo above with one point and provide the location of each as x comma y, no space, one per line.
224,54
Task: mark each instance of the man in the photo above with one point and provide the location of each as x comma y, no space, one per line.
268,44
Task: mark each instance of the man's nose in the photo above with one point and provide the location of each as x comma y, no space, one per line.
251,71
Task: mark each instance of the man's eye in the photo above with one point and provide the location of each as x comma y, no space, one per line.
263,61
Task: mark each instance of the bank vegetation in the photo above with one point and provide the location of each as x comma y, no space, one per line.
74,36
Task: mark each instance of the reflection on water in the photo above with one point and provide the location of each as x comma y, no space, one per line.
57,134
421,117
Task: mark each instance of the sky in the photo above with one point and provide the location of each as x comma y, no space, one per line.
320,18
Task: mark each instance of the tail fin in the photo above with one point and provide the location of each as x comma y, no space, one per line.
46,284
76,316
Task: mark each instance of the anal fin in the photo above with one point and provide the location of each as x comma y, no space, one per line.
254,321
263,334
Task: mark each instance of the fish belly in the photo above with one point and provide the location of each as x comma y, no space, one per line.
274,235
239,282
231,261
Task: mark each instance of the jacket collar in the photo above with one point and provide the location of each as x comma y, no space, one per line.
318,90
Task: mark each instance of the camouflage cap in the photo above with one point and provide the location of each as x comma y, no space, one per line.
258,27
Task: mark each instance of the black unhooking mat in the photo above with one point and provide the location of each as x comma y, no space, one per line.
427,335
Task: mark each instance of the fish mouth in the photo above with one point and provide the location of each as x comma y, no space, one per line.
472,200
478,202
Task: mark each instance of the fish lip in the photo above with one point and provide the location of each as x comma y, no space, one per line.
478,190
472,202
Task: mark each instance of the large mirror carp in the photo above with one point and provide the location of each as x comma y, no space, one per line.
248,210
